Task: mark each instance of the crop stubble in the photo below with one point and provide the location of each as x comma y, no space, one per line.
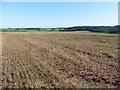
52,59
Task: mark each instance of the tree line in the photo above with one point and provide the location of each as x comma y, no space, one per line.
97,29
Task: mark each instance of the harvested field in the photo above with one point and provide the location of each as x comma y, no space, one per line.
59,59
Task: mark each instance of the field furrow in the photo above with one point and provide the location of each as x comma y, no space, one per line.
39,60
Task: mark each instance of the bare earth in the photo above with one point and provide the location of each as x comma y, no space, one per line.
0,60
56,59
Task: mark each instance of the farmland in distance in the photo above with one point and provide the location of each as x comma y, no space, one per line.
65,59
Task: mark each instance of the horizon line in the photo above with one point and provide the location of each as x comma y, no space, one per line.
63,26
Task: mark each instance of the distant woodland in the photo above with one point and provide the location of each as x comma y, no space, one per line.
97,29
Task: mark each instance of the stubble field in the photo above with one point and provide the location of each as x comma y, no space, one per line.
59,59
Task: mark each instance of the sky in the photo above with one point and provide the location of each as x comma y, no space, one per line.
60,0
59,14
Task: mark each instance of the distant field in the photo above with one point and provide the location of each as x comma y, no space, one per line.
59,59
